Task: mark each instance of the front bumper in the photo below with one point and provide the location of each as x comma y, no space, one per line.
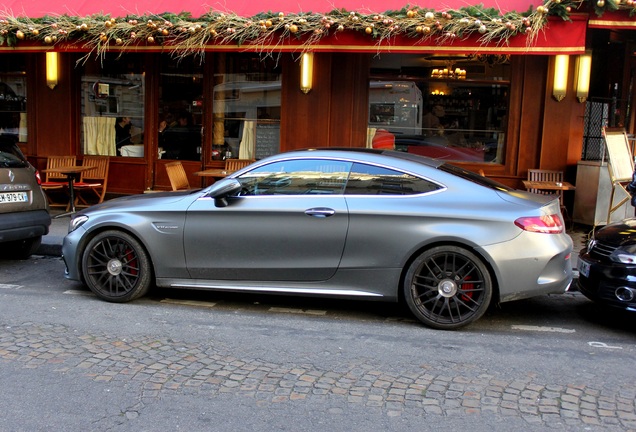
611,284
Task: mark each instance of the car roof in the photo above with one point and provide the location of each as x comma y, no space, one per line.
356,152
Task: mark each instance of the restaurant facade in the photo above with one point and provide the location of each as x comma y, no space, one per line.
494,90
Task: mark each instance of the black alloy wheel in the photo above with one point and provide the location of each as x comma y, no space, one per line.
116,267
448,287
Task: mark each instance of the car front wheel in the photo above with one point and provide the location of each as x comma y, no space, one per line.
447,287
116,267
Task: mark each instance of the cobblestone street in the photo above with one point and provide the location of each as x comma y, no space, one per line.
163,366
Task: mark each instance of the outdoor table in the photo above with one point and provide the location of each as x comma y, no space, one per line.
548,185
70,172
214,172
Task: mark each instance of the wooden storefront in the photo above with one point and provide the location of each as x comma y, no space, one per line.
539,131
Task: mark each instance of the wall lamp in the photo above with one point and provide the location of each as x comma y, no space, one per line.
560,85
51,69
583,71
306,72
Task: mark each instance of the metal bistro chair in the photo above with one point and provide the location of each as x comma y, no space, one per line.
93,181
57,181
177,176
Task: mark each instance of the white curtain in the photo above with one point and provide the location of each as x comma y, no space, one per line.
247,148
370,135
23,127
99,136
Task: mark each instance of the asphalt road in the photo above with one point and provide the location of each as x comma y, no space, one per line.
191,360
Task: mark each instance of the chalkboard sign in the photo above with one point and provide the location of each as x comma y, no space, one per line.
267,140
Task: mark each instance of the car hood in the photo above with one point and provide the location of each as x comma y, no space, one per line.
155,199
618,233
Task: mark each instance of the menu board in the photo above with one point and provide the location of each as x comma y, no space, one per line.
619,153
267,140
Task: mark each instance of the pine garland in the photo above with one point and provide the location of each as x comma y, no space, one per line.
184,35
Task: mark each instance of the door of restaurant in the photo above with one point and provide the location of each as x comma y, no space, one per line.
181,115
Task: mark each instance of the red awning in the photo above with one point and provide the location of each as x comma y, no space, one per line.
557,37
618,20
247,8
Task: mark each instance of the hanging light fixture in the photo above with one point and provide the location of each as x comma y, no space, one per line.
51,69
583,71
306,72
560,85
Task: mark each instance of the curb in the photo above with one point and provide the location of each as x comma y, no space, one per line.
49,250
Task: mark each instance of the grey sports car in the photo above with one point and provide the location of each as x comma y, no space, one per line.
368,224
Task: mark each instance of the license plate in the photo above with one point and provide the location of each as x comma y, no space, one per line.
13,197
584,268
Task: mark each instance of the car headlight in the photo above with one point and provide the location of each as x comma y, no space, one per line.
625,254
76,222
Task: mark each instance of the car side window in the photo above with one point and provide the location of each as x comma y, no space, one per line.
373,180
297,177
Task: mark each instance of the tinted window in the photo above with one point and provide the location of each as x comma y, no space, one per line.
297,177
473,177
10,154
373,180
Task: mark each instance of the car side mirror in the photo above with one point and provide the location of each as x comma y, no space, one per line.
223,189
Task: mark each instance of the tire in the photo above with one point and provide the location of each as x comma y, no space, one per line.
116,267
21,249
448,287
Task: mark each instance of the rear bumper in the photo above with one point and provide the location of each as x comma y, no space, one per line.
532,264
24,225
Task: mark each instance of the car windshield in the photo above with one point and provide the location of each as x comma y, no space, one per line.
10,155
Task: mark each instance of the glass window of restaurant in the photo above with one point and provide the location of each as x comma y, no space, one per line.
181,108
450,107
247,106
13,98
112,106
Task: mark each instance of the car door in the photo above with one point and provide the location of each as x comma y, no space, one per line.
289,224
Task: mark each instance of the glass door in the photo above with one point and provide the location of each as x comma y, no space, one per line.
181,109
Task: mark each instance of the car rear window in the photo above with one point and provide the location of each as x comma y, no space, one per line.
473,177
10,155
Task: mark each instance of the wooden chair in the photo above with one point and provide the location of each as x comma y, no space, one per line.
550,176
237,164
57,181
177,175
92,182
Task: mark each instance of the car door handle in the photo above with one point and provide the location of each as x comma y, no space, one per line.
321,212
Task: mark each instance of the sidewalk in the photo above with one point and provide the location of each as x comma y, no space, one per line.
52,243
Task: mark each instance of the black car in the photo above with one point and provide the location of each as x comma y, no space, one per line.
607,265
24,211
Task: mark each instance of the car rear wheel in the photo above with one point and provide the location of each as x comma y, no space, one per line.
116,267
448,287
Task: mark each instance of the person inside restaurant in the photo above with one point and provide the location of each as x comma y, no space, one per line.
123,126
182,141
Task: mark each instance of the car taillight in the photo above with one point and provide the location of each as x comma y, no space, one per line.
547,224
38,177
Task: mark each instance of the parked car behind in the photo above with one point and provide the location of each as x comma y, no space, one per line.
24,212
365,224
607,265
